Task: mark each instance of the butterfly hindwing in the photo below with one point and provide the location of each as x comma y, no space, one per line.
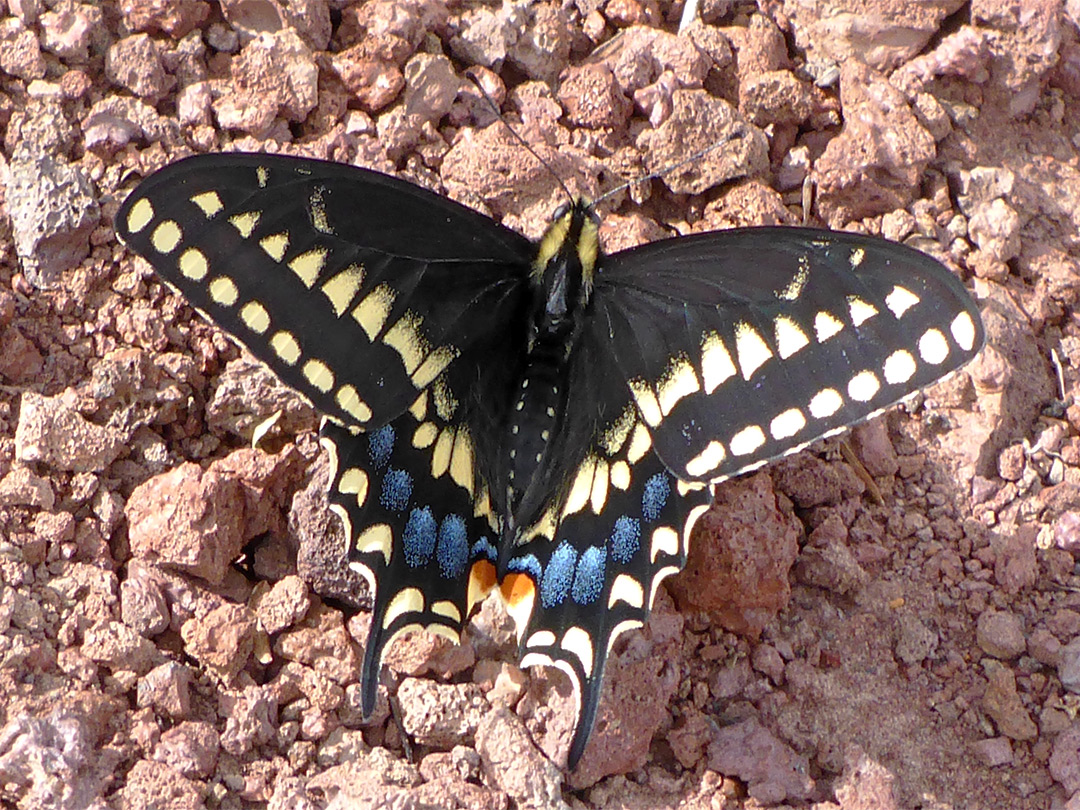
774,337
419,526
358,289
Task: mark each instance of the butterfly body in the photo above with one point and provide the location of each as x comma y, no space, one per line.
542,420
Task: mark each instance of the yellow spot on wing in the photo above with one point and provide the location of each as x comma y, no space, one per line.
433,365
861,311
407,600
795,287
620,475
541,638
933,348
308,265
317,210
598,495
319,375
646,401
424,435
440,456
825,403
348,399
963,331
665,540
577,641
223,291
863,386
900,300
615,435
354,481
286,347
751,349
716,363
142,211
747,440
787,424
371,313
899,367
461,462
790,337
640,442
678,381
275,245
245,223
166,236
708,460
826,325
378,538
343,287
193,264
209,203
626,589
255,317
446,608
404,337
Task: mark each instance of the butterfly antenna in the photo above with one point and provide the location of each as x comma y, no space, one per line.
738,134
498,114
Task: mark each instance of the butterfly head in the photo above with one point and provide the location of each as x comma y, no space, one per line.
566,259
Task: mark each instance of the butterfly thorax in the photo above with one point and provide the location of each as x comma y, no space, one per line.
562,282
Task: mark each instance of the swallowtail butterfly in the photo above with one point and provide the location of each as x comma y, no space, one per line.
540,419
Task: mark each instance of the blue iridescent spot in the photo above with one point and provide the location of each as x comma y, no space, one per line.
484,548
452,550
657,490
418,539
396,490
527,564
625,539
381,445
589,577
558,576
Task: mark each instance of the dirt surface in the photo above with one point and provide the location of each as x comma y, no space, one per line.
893,622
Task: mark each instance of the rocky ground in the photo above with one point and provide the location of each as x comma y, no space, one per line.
893,622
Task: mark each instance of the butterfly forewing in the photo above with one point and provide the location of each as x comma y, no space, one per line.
770,338
358,289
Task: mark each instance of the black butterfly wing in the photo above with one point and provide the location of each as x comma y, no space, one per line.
358,289
746,345
396,312
615,525
703,358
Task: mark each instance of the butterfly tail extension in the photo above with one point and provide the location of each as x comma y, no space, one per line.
599,575
417,546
